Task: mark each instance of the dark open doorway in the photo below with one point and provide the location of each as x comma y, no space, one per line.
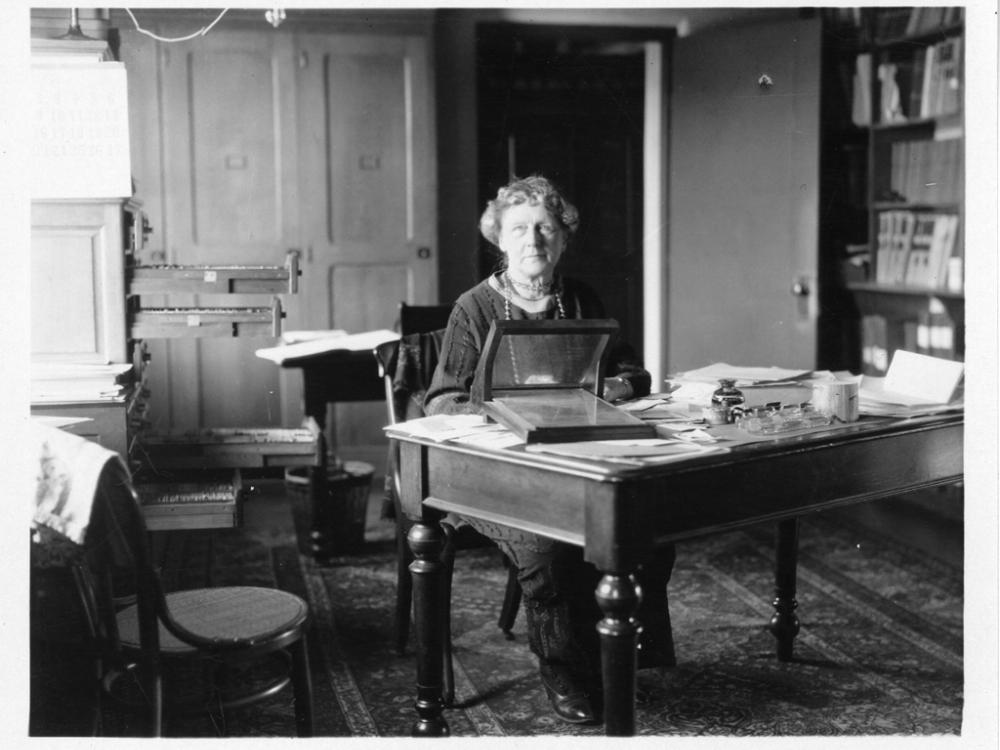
567,102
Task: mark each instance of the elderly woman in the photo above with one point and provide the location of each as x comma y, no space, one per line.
531,224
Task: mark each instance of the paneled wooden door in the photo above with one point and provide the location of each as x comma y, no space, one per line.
368,191
252,143
744,198
227,169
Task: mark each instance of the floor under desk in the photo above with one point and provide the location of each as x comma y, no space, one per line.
880,652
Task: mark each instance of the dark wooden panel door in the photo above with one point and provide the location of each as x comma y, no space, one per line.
571,107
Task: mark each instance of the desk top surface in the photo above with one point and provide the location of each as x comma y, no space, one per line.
740,447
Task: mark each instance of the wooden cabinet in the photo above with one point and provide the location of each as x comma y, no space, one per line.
908,278
78,255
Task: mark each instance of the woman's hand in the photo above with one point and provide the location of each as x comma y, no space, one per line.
617,389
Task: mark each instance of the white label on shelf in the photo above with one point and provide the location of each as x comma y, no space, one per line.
193,321
211,277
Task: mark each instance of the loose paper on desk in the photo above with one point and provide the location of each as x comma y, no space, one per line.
336,342
659,409
297,337
742,375
438,426
915,384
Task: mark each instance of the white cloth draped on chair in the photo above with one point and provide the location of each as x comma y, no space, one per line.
67,468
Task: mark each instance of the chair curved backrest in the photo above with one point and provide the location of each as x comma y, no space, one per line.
422,318
118,556
126,631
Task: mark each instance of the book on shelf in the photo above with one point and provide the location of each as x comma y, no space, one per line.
942,249
915,248
861,107
923,262
902,239
883,246
71,382
943,77
928,171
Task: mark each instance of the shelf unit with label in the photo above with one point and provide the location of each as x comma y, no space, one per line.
909,84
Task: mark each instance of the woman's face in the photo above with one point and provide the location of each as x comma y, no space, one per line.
532,240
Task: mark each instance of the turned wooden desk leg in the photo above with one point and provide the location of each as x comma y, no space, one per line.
319,500
427,542
618,596
784,623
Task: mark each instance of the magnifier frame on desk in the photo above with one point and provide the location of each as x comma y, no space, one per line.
543,380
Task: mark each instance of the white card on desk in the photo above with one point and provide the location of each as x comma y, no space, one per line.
930,380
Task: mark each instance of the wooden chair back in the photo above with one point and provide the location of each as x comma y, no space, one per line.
422,318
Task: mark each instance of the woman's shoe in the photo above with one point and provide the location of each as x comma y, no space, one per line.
568,696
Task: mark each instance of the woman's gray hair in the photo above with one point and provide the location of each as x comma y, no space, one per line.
534,190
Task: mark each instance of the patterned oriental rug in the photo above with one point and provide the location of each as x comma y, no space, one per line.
879,653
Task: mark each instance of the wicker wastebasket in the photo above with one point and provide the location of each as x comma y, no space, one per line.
336,525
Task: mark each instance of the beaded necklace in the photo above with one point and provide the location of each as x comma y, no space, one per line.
508,292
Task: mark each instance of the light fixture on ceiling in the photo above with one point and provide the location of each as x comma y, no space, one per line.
275,16
74,31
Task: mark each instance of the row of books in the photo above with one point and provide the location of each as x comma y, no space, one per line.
922,83
896,23
915,249
932,332
927,171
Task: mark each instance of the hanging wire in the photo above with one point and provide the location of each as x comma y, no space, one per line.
201,32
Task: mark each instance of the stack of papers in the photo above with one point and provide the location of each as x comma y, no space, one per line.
470,429
69,382
915,384
743,376
660,410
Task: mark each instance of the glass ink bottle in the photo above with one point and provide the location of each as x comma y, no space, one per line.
728,396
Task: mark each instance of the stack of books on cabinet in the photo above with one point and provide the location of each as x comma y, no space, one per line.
909,83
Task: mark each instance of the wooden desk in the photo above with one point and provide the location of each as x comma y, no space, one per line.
618,512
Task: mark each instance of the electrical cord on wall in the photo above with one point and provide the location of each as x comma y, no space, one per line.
201,32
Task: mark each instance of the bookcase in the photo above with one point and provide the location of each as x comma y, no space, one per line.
907,280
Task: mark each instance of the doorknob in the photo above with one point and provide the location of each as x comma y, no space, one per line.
423,253
800,288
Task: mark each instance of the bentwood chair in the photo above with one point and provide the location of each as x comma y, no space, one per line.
237,644
406,367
